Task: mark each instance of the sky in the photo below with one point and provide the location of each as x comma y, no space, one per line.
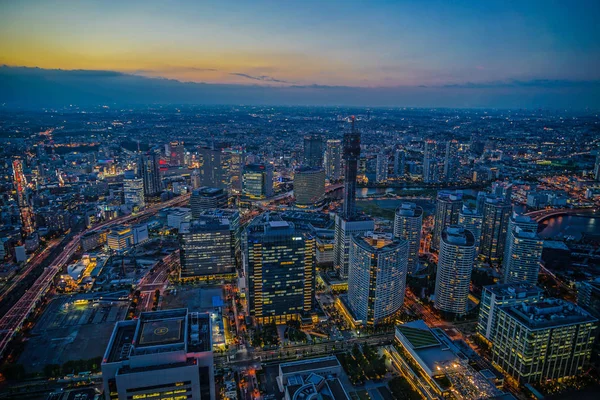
361,44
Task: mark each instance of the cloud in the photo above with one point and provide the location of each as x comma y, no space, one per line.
533,83
262,78
174,69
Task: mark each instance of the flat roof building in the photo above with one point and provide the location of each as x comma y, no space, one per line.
162,355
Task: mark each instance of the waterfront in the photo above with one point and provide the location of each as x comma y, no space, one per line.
572,226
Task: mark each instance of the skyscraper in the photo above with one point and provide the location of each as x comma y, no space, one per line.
351,155
215,167
408,222
377,277
309,186
133,191
451,161
207,248
523,253
257,181
455,262
349,223
399,163
333,159
597,166
177,154
447,207
280,269
496,213
150,173
313,151
429,161
381,172
549,339
472,221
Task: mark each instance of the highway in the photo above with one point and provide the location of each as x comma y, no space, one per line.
13,320
541,215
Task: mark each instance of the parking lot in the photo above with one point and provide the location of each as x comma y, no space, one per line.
68,331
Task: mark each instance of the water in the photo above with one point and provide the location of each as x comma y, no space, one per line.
570,225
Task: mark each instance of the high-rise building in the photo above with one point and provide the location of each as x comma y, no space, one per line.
496,213
381,170
333,160
451,161
502,189
351,155
377,276
408,222
195,179
349,222
150,173
588,296
313,151
495,296
597,166
205,198
455,262
236,160
472,221
133,191
206,248
550,339
162,355
344,230
176,154
280,270
447,207
258,181
399,163
521,262
215,167
309,186
430,161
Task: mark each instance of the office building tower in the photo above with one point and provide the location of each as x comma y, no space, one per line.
176,154
408,222
235,159
429,161
351,155
447,207
215,167
377,276
313,151
206,248
451,161
344,230
258,181
455,262
480,202
195,179
550,339
161,355
140,233
495,296
472,221
496,213
280,270
309,186
381,170
120,238
150,173
521,261
133,191
399,163
597,166
205,198
333,160
588,296
349,223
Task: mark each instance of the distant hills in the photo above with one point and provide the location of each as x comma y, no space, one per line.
25,87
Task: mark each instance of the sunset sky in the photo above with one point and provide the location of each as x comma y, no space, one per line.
349,43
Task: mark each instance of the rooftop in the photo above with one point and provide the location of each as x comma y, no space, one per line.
514,289
548,313
409,210
458,235
306,366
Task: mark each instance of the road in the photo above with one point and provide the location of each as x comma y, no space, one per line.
13,320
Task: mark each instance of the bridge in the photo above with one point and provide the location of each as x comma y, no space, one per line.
541,215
